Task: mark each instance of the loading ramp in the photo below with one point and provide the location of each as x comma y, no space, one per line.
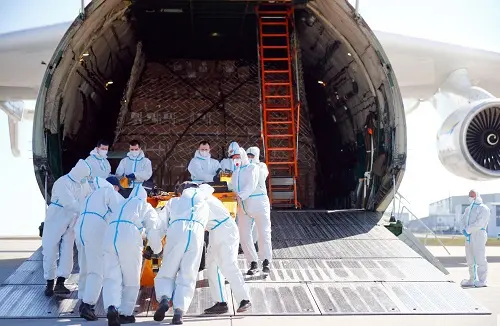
325,263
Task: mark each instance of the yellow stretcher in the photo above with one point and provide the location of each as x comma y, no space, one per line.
151,267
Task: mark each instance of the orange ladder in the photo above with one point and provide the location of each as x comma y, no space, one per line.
278,105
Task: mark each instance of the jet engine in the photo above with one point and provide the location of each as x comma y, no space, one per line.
469,141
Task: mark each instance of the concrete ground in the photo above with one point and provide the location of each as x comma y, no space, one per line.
14,252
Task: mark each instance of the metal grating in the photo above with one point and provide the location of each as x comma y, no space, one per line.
31,273
365,272
349,270
280,299
201,301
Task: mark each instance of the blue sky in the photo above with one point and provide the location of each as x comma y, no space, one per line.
468,23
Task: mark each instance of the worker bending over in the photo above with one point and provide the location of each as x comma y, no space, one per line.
227,164
123,246
89,231
203,167
222,257
58,237
474,223
186,217
98,162
135,167
253,204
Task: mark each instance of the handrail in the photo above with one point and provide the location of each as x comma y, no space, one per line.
435,236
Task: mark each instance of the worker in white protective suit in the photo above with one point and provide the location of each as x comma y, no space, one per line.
98,162
253,154
123,246
89,228
58,238
253,204
136,167
186,217
473,224
227,164
203,167
222,258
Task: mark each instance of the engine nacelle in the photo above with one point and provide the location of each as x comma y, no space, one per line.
469,141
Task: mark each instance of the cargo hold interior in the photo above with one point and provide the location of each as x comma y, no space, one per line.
173,75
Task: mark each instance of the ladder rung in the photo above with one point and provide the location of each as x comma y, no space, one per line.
281,149
276,84
274,23
276,71
273,12
277,109
276,59
277,96
274,47
280,136
274,35
281,163
278,122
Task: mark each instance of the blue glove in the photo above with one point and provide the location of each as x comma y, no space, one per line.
131,176
465,233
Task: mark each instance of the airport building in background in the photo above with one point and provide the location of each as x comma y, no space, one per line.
444,215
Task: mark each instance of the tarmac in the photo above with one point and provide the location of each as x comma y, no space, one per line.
13,252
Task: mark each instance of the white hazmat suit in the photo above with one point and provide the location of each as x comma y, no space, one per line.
58,238
227,163
123,246
138,165
253,204
263,173
99,165
203,169
474,223
89,229
222,256
186,217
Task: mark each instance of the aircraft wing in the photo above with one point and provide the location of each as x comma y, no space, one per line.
422,66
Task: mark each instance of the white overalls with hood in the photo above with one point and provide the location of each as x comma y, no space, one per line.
100,166
222,255
253,203
227,163
203,169
186,217
263,174
474,223
123,250
140,166
58,238
89,231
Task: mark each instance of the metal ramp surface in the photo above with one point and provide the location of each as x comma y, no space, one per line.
325,263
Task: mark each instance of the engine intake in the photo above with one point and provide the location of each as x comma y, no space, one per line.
469,141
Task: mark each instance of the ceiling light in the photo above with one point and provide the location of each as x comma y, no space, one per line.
108,83
85,55
321,82
349,54
215,34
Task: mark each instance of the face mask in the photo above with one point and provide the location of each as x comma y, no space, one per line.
102,152
471,200
250,160
204,153
237,162
134,153
83,180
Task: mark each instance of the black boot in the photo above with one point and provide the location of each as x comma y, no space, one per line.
218,308
49,288
87,312
127,319
177,319
113,316
60,289
265,266
244,305
162,309
256,246
253,268
240,250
